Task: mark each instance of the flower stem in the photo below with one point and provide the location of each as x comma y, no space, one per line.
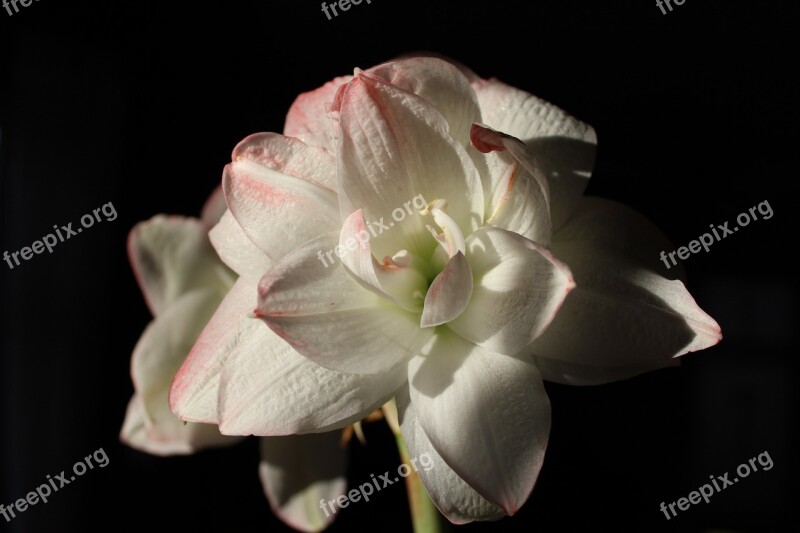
424,515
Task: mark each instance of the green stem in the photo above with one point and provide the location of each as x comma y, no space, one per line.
424,515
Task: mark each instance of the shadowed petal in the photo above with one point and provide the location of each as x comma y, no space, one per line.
453,496
563,147
620,320
300,470
168,437
519,287
171,256
486,414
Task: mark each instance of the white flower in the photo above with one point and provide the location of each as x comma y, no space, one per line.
457,310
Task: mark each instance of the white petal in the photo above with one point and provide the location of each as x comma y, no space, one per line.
620,320
449,293
519,287
330,318
525,116
622,230
397,283
563,146
486,414
168,438
300,470
277,211
267,388
172,256
214,208
517,193
394,146
453,496
237,250
440,83
164,346
288,156
308,117
193,395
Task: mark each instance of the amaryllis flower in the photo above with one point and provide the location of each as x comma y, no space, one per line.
184,282
347,298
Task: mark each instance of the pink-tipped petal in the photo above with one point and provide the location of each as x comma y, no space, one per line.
193,394
394,147
308,117
449,293
288,156
440,83
517,193
621,319
275,210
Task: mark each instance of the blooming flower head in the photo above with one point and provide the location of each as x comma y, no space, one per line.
504,275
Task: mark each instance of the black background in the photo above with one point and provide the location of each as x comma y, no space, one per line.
140,104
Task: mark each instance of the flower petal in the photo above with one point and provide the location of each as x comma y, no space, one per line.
486,414
564,147
300,470
308,118
394,146
289,156
214,208
267,388
449,293
620,320
517,193
441,84
391,279
519,287
622,230
237,250
277,211
330,318
453,496
170,436
193,395
163,347
171,256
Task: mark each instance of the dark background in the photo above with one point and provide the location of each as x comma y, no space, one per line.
140,104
